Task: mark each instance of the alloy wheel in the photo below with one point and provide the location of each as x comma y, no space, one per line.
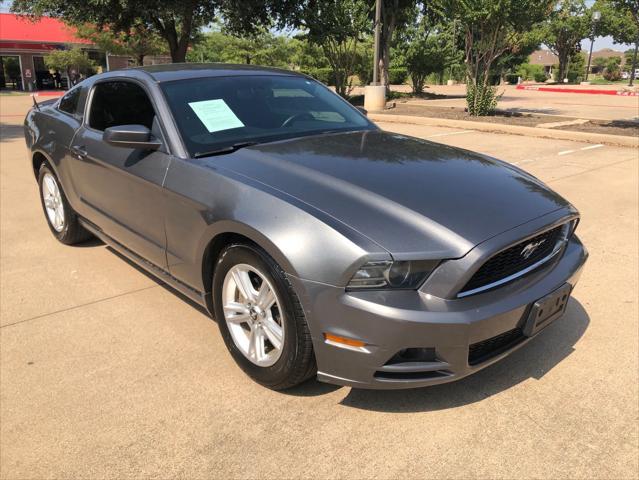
52,199
253,314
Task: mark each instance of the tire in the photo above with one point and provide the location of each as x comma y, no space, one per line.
277,369
63,223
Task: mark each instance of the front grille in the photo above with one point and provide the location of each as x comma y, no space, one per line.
481,351
512,260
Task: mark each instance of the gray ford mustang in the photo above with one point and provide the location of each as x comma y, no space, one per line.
321,244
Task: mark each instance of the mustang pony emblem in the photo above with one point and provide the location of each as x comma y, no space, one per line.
530,248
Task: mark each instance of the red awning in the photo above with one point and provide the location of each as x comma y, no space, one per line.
18,28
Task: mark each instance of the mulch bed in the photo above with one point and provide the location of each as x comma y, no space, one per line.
616,127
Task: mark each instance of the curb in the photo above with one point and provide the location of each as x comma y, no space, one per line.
587,137
588,91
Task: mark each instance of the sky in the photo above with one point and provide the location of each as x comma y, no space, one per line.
600,42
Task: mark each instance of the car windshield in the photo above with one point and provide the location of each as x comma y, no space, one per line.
217,113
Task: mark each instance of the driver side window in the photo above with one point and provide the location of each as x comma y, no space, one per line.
120,103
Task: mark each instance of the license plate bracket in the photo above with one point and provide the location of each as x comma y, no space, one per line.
547,309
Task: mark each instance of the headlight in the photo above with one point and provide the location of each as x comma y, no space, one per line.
407,275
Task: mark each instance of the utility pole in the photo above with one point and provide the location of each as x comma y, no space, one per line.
375,93
633,68
378,21
596,15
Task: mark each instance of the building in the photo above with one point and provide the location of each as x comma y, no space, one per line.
607,53
549,60
24,44
546,59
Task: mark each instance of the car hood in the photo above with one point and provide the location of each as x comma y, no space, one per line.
412,197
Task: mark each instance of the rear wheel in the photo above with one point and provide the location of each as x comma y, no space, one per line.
61,218
261,319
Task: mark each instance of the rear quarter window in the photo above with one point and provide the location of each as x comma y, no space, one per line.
73,101
69,102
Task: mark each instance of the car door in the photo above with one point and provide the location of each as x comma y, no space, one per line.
122,186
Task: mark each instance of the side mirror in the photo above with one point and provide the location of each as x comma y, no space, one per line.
362,110
131,136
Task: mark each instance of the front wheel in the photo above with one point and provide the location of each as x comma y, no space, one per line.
261,319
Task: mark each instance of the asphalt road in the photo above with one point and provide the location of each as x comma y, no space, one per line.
104,373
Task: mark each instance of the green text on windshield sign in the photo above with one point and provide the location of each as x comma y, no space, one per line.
215,115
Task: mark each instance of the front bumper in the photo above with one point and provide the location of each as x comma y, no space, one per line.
390,321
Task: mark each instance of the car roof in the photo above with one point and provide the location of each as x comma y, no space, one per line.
180,71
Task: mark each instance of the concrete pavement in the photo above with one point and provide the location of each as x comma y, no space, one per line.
104,373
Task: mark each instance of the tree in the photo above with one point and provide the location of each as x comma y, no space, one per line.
575,69
68,60
598,64
138,42
337,27
176,21
567,26
628,57
262,47
620,20
612,71
491,28
421,52
12,69
424,57
519,52
394,14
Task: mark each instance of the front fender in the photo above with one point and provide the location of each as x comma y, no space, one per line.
203,203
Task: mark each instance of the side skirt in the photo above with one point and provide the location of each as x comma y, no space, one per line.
161,274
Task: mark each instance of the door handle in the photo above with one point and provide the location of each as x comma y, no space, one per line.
80,151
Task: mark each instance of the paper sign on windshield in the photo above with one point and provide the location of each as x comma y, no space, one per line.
216,115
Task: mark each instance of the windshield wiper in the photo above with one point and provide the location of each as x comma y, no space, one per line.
221,151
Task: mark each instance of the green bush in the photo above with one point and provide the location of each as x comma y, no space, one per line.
364,73
512,78
528,71
397,75
612,71
540,77
612,75
481,99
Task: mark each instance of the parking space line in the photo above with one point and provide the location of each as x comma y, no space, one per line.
588,171
450,133
592,146
589,147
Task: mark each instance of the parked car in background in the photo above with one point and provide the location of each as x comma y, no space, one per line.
321,244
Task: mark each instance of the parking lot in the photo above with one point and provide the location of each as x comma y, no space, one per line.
105,373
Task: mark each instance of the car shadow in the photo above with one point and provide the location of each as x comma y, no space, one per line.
167,287
91,242
533,360
10,131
